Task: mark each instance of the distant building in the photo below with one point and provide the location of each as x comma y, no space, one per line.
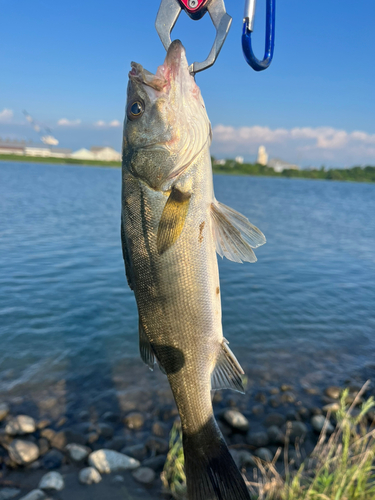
83,154
219,162
37,151
239,159
262,156
105,153
9,147
280,165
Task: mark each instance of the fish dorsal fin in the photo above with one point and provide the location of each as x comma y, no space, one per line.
147,354
227,373
172,220
234,235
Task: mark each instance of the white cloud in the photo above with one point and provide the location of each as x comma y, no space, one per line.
113,123
303,143
64,122
6,115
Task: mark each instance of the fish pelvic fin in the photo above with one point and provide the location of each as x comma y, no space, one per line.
145,349
228,372
211,473
172,220
234,235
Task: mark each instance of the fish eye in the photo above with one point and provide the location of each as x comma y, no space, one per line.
135,110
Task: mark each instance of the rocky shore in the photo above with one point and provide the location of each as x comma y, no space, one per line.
121,455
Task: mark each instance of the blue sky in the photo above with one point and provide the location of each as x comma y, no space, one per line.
315,105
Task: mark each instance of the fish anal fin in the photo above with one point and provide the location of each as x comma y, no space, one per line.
145,349
172,220
228,372
235,236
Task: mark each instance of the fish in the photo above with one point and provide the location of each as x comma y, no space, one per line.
172,226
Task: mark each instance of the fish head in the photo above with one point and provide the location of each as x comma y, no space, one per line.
166,124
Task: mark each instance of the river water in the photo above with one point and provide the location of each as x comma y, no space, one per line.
304,313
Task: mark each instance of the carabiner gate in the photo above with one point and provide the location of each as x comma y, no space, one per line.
248,24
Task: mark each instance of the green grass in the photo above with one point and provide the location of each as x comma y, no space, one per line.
59,161
341,467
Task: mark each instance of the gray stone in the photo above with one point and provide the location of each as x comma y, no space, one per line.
23,452
77,452
258,409
89,475
52,481
236,420
246,459
275,435
333,392
107,461
157,446
295,430
34,495
117,443
106,430
53,460
274,401
4,411
257,439
62,438
304,412
331,407
261,397
137,451
155,463
109,416
159,429
43,444
92,437
20,425
292,415
8,493
275,419
134,420
264,454
144,475
318,422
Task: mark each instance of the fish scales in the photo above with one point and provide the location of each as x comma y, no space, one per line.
172,227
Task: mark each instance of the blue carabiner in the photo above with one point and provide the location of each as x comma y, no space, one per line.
270,35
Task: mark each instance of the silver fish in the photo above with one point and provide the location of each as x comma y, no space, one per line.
172,227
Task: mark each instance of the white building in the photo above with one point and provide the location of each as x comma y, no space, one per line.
280,165
105,153
239,159
262,156
83,154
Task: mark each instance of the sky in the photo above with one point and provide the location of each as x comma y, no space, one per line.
66,63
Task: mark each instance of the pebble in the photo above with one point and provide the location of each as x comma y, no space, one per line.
159,429
275,435
62,438
134,420
43,444
42,424
34,495
331,407
4,411
304,412
137,451
89,475
288,397
106,430
117,443
286,387
111,417
257,439
258,409
107,461
118,479
275,401
236,420
275,419
8,493
312,391
144,475
246,459
52,481
53,460
261,397
264,454
48,434
157,446
77,452
92,437
274,390
295,430
20,425
317,423
333,392
155,463
23,452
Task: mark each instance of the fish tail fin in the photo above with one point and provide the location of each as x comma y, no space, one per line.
211,473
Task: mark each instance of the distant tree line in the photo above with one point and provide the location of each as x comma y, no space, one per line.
358,174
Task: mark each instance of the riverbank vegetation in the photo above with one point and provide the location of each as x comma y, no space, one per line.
356,174
341,467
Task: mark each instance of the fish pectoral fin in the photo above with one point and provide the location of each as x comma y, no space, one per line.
147,354
172,220
228,372
234,235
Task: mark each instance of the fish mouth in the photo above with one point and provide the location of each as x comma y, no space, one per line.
174,69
